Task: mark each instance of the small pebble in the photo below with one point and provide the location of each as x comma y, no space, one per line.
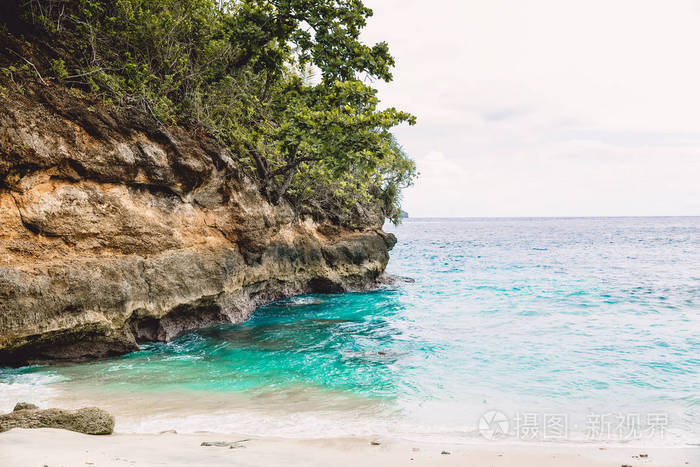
375,443
644,455
445,452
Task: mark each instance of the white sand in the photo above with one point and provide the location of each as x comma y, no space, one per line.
54,448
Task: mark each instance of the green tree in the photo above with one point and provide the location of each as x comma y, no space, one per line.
235,68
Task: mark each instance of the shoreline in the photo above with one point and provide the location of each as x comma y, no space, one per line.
19,447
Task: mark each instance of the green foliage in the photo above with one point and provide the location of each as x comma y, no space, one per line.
11,72
239,69
58,67
344,194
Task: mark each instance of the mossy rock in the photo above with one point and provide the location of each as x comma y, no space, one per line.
88,420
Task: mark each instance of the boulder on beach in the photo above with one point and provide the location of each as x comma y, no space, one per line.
24,406
88,420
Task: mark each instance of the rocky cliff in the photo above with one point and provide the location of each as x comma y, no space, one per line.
115,230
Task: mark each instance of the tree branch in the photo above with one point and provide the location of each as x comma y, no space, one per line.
32,65
261,169
285,186
292,165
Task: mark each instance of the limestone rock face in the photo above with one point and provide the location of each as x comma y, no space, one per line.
88,420
115,230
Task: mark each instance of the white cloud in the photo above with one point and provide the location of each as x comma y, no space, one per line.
547,107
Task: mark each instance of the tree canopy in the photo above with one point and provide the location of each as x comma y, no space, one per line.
283,83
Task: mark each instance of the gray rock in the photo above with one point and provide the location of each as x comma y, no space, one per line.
88,420
24,406
226,444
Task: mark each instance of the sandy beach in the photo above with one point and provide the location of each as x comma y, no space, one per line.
54,448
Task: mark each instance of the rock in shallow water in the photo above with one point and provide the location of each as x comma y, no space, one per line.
88,420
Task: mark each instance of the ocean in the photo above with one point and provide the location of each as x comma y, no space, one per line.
511,330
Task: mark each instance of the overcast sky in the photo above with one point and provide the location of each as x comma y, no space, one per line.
547,107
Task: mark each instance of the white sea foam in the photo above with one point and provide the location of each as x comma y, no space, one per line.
188,413
321,426
303,301
27,387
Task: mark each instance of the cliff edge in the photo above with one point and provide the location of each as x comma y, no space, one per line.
116,230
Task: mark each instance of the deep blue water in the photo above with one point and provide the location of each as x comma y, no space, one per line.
593,323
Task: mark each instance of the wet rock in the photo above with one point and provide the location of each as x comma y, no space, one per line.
390,279
331,321
88,420
374,356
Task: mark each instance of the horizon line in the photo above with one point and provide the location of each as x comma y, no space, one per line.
553,217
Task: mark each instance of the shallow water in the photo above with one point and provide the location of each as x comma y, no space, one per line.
563,329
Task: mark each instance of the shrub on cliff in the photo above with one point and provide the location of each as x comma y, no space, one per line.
280,82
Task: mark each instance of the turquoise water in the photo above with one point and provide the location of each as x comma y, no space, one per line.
592,322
